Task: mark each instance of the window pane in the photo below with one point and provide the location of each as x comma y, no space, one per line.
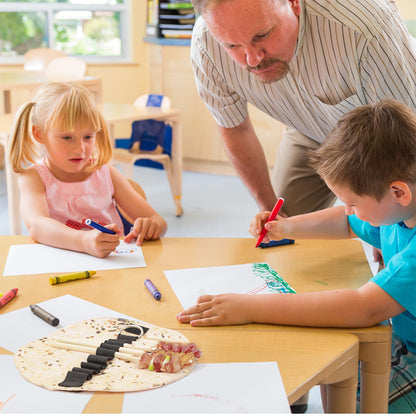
86,32
20,32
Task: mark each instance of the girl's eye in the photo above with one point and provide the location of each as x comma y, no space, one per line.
66,137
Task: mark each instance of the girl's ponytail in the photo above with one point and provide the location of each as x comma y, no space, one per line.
22,147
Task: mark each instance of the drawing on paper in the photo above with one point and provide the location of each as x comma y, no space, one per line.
272,279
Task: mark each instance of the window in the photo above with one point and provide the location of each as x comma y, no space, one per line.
94,29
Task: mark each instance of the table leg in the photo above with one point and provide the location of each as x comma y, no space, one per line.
375,360
340,388
177,165
7,101
342,396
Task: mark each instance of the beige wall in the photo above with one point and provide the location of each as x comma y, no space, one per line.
407,8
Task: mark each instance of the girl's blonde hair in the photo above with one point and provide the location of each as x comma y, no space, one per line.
61,106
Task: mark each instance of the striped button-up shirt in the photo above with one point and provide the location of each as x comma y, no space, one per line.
348,53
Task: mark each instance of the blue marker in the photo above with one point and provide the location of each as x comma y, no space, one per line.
98,227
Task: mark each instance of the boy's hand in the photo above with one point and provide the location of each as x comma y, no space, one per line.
276,230
226,309
149,228
101,244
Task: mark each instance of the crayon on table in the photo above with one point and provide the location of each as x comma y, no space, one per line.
152,289
8,296
69,277
1,294
98,227
272,216
44,315
274,243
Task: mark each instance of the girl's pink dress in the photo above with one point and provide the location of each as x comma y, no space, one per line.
73,202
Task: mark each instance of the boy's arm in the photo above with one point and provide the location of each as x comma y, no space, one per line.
327,223
363,307
45,230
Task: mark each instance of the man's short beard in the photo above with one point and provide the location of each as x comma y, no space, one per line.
278,72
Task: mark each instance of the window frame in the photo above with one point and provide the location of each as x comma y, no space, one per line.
124,9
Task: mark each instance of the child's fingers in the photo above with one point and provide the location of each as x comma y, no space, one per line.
129,237
146,229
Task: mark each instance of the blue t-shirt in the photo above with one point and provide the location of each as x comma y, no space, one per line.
398,278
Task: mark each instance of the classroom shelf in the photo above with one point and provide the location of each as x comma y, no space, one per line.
170,19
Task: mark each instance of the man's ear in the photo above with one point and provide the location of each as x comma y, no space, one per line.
295,6
37,134
401,192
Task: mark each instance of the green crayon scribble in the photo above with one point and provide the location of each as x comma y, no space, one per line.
273,280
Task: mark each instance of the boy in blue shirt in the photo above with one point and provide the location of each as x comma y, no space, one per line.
369,162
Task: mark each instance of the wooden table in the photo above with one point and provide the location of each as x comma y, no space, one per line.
306,356
116,113
30,80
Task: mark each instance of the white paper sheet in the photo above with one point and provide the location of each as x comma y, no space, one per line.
20,396
217,388
20,327
39,258
189,284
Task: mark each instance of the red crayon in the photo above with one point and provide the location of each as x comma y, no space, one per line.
272,216
8,297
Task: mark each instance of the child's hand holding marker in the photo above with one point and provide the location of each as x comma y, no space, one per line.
277,229
262,227
103,241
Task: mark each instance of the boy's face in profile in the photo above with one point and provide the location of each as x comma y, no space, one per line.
387,211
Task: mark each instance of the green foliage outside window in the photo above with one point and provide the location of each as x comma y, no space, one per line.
75,31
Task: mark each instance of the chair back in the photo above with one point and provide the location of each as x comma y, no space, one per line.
153,100
148,136
37,59
66,68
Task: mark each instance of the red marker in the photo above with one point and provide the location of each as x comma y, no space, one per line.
7,297
272,216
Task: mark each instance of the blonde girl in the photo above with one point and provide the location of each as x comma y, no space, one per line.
73,180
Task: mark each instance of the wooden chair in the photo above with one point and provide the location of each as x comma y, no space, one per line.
65,68
127,157
37,59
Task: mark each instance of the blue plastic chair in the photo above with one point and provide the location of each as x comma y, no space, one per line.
150,143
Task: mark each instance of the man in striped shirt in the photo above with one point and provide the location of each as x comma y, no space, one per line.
305,63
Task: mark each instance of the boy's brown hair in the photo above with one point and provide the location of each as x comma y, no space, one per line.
369,148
